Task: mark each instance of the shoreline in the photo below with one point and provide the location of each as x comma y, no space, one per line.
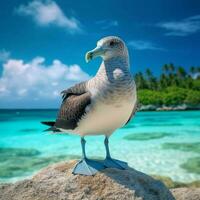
181,107
141,108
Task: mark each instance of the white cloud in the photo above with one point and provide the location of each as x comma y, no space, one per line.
143,45
106,24
4,55
48,12
183,27
30,81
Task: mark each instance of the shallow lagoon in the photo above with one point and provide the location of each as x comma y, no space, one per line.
161,143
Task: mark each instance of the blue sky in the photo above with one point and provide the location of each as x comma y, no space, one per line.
43,43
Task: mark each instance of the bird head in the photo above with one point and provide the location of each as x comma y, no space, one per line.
108,47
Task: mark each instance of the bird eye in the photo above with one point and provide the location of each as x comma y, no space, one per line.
112,43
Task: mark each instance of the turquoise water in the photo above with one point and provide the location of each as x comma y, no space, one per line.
145,143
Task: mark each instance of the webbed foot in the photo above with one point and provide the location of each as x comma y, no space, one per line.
88,167
113,163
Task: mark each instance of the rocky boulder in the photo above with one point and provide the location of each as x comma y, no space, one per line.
56,182
186,193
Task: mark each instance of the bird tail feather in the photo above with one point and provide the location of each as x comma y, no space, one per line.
52,127
49,123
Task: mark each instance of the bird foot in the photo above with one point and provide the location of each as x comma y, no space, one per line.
113,163
88,167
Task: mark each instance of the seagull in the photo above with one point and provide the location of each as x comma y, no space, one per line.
100,105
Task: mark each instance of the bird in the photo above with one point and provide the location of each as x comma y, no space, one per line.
99,105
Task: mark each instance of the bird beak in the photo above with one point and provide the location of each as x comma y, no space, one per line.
98,51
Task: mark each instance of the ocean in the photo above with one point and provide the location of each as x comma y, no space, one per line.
156,143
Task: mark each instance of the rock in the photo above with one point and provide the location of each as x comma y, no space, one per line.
17,162
180,107
57,182
148,107
165,108
186,193
146,136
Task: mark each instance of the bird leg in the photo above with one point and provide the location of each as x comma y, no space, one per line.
87,166
83,141
110,162
106,143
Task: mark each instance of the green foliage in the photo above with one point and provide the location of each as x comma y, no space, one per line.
150,97
196,84
174,86
193,97
174,96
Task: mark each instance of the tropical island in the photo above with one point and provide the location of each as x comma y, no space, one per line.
174,89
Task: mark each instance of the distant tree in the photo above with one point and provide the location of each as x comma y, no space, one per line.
181,72
148,73
196,84
140,81
174,96
173,87
193,97
147,97
192,69
188,82
163,81
165,68
171,67
151,80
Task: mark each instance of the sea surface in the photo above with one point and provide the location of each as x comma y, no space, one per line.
156,143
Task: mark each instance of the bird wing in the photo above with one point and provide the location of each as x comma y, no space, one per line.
77,89
75,100
135,108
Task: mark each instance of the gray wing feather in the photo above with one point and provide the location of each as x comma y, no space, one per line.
75,100
79,89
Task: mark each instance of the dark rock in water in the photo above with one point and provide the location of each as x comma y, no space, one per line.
146,136
20,166
192,165
174,184
57,182
28,130
193,147
16,162
12,152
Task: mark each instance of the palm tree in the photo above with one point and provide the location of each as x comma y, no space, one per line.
163,82
151,80
140,81
192,69
181,72
171,79
171,67
165,68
